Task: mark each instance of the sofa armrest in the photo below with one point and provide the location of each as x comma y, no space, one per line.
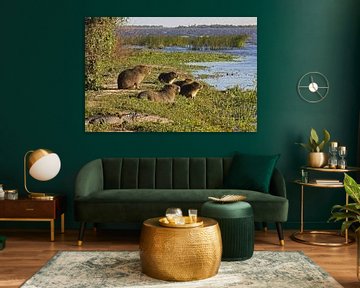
277,184
89,179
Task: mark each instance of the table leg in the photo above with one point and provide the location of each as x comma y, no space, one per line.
63,223
302,210
52,230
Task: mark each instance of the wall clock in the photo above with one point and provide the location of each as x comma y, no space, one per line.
313,87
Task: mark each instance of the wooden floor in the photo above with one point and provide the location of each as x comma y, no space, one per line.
28,250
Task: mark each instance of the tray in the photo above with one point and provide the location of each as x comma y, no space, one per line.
164,222
228,198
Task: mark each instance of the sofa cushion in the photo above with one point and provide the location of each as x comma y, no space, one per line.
266,207
251,172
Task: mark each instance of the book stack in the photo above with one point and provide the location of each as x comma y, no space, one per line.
327,181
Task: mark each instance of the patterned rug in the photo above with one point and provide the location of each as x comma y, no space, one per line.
122,269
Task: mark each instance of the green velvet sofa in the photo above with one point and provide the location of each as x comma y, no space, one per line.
130,190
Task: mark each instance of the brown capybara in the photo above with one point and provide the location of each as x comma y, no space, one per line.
168,78
131,78
183,82
190,90
166,94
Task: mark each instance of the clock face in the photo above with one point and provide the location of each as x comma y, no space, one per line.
313,87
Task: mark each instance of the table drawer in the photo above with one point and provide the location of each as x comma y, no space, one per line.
28,209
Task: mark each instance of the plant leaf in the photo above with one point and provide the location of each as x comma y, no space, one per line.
314,135
350,207
352,188
321,146
326,136
346,225
312,144
306,146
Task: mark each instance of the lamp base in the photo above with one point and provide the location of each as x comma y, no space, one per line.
41,196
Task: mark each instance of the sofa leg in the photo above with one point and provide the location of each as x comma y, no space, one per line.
81,233
265,227
280,233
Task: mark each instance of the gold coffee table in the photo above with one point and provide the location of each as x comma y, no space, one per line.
180,254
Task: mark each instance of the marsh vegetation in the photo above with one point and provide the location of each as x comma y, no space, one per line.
207,42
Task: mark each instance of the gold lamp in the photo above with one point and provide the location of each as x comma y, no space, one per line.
43,165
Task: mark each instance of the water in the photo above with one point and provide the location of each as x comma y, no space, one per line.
242,71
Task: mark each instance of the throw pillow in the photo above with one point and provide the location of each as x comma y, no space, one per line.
251,172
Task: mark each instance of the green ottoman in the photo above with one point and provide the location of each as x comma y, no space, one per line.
236,221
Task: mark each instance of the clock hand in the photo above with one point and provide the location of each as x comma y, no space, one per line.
321,96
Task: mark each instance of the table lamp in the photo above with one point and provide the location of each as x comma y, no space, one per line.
43,165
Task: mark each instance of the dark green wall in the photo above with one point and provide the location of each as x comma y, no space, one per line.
42,97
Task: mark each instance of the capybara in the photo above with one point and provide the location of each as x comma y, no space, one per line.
183,82
190,90
166,94
167,77
131,78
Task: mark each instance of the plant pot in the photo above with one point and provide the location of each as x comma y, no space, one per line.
317,159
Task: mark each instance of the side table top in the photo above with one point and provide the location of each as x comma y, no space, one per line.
313,184
28,199
324,169
154,222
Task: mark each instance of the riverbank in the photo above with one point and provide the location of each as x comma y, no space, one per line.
233,110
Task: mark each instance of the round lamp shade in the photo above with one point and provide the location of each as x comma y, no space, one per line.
44,164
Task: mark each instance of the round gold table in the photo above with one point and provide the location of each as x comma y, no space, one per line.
180,254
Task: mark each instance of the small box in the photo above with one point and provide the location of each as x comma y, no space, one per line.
11,194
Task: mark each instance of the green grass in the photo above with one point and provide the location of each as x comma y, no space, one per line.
175,60
191,42
232,110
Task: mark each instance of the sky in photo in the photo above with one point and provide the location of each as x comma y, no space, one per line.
187,21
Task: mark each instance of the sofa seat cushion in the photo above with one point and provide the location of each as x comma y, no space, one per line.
266,207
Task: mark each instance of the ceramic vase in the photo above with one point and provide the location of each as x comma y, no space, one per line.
317,159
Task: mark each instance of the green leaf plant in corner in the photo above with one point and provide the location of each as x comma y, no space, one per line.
349,214
314,144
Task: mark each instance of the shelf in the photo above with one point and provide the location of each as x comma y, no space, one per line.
313,184
312,239
348,169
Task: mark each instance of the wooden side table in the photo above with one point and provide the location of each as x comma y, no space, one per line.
26,209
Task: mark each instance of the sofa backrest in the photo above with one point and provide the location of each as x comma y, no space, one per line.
164,173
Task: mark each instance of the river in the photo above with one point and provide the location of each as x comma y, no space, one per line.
242,71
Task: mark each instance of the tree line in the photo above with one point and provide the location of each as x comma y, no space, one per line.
101,42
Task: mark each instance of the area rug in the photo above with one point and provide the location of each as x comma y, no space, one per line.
80,269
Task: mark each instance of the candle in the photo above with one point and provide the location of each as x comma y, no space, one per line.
333,144
342,149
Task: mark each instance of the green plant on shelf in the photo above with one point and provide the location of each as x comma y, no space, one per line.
314,144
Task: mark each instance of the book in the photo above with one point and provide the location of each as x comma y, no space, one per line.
327,181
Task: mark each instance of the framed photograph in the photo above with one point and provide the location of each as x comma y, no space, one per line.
170,74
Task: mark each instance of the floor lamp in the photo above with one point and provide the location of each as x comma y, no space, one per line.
42,165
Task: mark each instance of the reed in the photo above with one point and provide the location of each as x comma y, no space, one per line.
190,42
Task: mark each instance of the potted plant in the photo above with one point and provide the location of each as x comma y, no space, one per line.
350,213
317,157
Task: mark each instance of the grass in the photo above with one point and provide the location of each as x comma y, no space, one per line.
176,60
233,110
192,42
